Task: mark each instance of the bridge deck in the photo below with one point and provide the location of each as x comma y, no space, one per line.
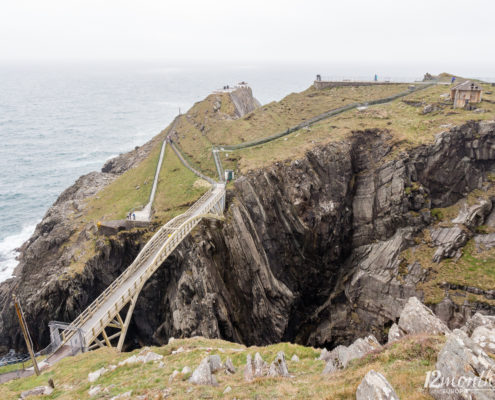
97,316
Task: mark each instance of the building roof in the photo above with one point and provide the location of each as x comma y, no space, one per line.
467,85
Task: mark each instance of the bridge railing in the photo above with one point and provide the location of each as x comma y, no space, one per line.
149,249
139,280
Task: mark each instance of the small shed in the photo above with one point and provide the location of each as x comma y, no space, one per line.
465,93
229,175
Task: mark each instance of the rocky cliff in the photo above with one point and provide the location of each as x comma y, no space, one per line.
311,250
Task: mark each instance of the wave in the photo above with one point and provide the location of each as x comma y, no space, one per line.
8,252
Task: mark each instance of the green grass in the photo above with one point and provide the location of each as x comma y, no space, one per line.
407,126
178,188
403,363
129,191
220,128
474,268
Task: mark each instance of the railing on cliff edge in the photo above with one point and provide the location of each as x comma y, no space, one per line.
321,117
154,242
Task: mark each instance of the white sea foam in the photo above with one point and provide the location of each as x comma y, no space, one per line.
8,251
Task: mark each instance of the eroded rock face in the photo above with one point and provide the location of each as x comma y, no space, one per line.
309,251
462,363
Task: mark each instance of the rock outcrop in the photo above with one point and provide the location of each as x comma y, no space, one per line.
278,367
463,371
374,386
340,357
417,318
310,250
244,101
203,375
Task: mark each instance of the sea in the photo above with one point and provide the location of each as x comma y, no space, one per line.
60,121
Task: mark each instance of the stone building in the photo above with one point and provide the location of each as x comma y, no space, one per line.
465,93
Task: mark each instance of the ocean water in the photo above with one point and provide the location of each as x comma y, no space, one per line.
58,122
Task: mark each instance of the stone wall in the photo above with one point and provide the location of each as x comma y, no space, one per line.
330,84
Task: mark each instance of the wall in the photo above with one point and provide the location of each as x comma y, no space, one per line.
330,84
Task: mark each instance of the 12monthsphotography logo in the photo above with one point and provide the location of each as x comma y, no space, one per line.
436,382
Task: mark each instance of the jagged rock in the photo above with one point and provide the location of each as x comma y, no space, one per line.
484,242
125,395
473,215
151,357
324,355
374,386
37,391
215,363
485,338
462,363
131,360
340,205
173,376
417,318
260,366
255,368
244,101
249,369
202,374
229,366
330,367
94,390
144,356
340,357
394,333
361,347
93,376
179,350
478,320
187,370
295,358
279,367
448,240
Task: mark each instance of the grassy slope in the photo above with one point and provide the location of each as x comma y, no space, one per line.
177,189
473,268
403,363
409,128
264,121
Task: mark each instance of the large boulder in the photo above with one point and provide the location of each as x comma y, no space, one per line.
215,363
340,357
202,375
374,386
477,320
463,371
37,391
484,337
417,318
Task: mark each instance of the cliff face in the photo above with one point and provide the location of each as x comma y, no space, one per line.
310,250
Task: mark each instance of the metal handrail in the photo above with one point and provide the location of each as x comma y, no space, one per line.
166,249
169,231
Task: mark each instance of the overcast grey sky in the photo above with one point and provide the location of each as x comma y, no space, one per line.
442,33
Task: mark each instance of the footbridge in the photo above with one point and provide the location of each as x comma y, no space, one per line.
106,320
